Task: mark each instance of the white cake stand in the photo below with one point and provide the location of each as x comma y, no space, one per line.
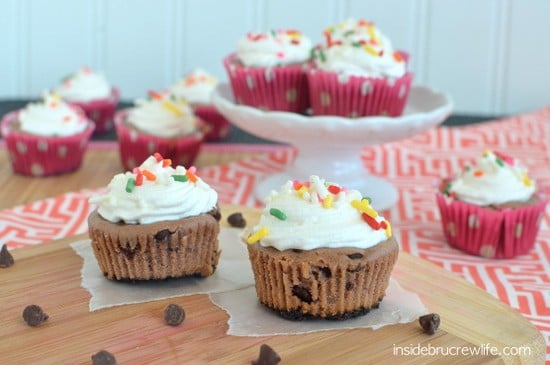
330,146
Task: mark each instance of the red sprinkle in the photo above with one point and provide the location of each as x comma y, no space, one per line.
334,189
157,156
154,95
139,179
296,184
373,223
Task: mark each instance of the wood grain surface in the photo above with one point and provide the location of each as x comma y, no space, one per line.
49,275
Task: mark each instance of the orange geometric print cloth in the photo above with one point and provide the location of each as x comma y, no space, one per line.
414,166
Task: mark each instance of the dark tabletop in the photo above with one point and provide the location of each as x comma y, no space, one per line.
237,135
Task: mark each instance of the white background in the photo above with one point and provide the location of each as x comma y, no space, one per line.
491,56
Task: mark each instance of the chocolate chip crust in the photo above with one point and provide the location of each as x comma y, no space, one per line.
161,250
330,283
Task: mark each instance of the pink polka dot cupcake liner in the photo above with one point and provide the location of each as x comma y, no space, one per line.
135,147
34,155
353,96
282,88
218,126
493,233
101,111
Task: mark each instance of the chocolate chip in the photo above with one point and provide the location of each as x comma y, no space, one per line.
355,256
103,358
302,293
236,220
429,323
216,214
297,250
33,315
349,285
163,236
326,271
174,314
268,356
6,259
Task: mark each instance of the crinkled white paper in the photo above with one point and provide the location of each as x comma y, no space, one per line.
233,272
231,288
247,317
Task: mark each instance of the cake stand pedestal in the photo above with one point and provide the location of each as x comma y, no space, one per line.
330,146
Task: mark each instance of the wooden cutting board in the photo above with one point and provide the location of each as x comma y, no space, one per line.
49,275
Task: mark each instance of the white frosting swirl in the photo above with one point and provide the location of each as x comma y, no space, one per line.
51,117
83,86
163,115
494,179
275,48
311,224
358,48
195,87
164,198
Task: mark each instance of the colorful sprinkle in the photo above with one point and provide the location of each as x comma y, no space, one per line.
173,108
334,189
327,202
157,156
398,57
526,180
371,50
166,162
373,223
149,175
258,235
154,95
499,162
130,185
180,178
478,173
279,214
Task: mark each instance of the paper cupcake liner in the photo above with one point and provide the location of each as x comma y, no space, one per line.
101,111
281,88
218,126
490,233
136,146
354,96
34,155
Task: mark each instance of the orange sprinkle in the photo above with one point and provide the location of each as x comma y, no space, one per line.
53,104
478,173
166,162
191,176
149,175
397,57
67,118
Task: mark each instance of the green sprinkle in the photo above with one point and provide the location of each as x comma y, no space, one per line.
499,162
130,185
278,214
356,44
273,33
348,33
367,198
181,178
467,168
322,56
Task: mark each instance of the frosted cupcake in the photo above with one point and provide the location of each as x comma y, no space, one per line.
45,138
491,209
162,123
268,70
320,251
357,73
156,222
91,92
197,87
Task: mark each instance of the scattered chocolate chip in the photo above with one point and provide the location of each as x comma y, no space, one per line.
103,358
355,256
268,356
236,220
429,322
302,293
174,314
6,259
326,271
297,250
216,214
349,285
33,315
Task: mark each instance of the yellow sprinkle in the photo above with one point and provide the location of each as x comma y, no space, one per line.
388,229
172,107
371,32
258,235
486,152
327,202
364,207
526,180
56,96
302,191
371,50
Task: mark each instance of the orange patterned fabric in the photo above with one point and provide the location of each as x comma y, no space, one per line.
414,166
